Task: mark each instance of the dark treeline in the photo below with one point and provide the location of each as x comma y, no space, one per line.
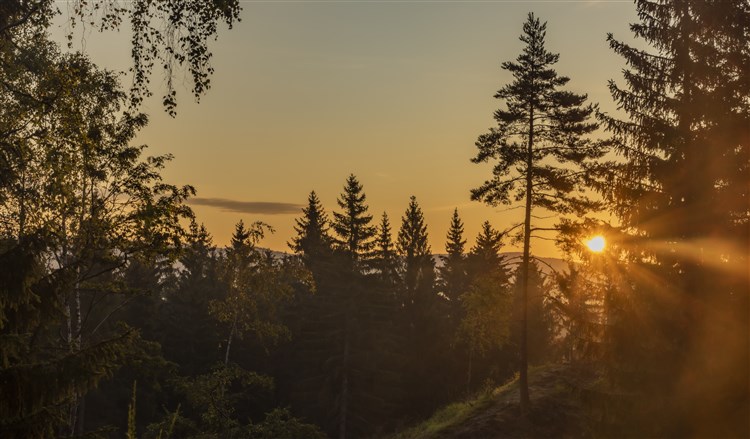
119,315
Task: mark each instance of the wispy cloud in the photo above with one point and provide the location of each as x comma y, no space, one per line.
257,207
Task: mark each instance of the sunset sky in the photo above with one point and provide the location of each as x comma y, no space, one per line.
396,92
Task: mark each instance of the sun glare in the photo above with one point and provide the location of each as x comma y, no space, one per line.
596,244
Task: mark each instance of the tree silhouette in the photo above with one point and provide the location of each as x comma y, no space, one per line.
679,188
352,225
453,276
487,302
540,146
385,259
313,241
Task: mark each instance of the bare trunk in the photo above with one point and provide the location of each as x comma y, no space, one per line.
468,372
524,360
344,384
229,341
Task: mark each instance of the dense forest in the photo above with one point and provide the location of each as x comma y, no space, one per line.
120,316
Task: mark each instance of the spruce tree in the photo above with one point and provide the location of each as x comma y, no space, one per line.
312,241
352,224
422,308
418,266
680,191
540,146
453,277
485,325
385,260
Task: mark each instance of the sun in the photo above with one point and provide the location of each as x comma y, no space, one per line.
596,244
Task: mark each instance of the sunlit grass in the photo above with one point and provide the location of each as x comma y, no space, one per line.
455,413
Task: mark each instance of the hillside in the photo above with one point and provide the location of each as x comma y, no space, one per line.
556,411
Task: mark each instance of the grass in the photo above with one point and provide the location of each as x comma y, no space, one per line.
455,413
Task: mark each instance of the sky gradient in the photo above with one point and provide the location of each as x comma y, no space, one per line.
307,92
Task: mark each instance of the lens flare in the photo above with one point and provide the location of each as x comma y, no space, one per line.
596,244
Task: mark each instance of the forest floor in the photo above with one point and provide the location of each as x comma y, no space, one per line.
556,410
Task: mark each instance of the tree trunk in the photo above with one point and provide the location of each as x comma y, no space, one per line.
523,378
229,340
344,383
468,372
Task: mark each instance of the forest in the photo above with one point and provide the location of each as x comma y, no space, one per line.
121,317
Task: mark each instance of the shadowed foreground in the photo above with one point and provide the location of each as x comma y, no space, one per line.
556,410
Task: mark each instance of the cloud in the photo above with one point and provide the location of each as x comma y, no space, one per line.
257,207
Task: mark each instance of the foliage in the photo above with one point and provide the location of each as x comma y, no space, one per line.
487,302
79,207
169,35
257,286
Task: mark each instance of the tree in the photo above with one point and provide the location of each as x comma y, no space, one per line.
385,259
313,241
257,285
166,35
422,310
352,225
487,302
453,276
418,267
344,335
90,208
679,189
541,148
189,335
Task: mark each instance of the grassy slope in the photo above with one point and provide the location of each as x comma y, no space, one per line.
555,411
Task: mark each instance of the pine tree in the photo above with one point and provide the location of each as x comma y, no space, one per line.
453,276
487,302
680,191
346,341
418,266
352,225
385,260
189,335
540,146
422,309
312,241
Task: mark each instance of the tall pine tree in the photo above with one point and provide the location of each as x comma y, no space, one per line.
540,147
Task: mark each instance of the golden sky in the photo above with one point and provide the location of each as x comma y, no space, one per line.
396,92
